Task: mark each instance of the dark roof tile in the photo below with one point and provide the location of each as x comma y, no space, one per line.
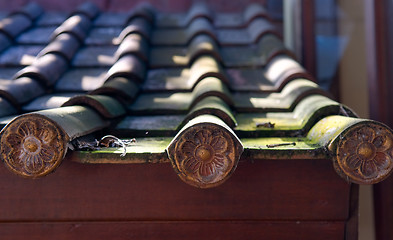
81,80
78,25
103,35
7,74
284,101
133,44
48,101
176,37
51,19
88,9
5,41
21,90
184,56
142,126
13,25
173,80
106,106
123,89
198,10
107,19
129,67
212,105
6,108
31,10
254,11
46,69
64,45
95,56
181,102
39,35
183,79
143,10
19,55
136,25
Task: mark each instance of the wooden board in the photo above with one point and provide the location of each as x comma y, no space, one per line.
259,190
174,230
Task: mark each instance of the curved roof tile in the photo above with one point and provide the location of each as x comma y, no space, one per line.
200,90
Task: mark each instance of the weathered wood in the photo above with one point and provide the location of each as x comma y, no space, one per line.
190,230
295,190
205,152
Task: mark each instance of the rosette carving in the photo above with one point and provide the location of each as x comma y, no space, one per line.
205,155
365,153
32,146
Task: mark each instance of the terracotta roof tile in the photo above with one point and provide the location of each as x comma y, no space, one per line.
186,85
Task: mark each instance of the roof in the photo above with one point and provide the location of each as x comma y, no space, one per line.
200,90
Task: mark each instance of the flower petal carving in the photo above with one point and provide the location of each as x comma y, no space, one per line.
219,144
205,155
368,169
364,153
32,145
353,162
190,165
382,160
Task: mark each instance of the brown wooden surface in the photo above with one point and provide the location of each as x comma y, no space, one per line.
308,36
378,16
352,225
174,230
264,189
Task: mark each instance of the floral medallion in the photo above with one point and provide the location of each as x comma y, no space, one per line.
205,156
33,146
365,153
